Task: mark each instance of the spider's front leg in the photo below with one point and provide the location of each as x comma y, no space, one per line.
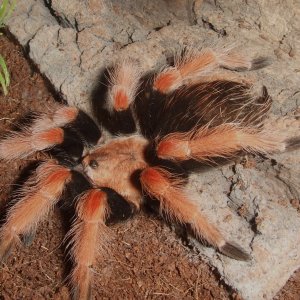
67,129
177,204
34,201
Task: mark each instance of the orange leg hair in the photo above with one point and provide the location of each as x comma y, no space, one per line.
124,81
221,141
43,134
59,118
36,198
88,238
22,144
195,64
176,203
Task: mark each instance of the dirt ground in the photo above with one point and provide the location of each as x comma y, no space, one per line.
147,261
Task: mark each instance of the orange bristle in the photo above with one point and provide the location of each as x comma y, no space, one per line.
165,81
52,136
89,236
124,84
172,146
120,100
220,141
153,179
65,115
20,145
227,139
175,203
55,179
205,59
36,198
93,206
15,146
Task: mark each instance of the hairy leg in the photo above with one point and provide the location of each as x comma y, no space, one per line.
194,64
124,81
113,105
68,128
178,205
88,238
34,201
221,141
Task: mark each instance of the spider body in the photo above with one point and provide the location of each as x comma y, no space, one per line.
188,114
121,157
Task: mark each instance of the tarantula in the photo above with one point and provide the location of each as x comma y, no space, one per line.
195,111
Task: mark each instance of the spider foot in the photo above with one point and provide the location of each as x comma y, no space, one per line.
6,245
233,250
260,62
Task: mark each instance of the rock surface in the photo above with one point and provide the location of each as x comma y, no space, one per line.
256,201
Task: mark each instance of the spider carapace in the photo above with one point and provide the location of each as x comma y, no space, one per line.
158,129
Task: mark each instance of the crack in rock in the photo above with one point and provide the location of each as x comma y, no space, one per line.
207,24
61,20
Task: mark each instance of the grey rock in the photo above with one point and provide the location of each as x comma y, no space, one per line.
72,42
253,207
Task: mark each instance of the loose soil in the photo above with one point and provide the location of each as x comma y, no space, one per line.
147,259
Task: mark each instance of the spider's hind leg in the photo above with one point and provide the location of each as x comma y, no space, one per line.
223,141
179,206
195,65
230,122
